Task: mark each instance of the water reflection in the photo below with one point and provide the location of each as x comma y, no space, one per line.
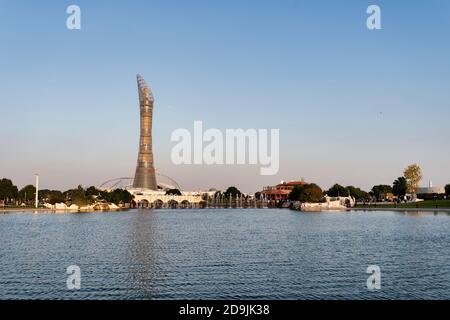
143,273
419,213
217,254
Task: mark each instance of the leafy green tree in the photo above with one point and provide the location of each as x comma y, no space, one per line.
447,189
56,198
306,193
173,192
78,196
381,190
294,195
105,195
92,191
337,190
8,190
52,196
340,191
356,193
125,196
27,193
232,192
117,196
400,187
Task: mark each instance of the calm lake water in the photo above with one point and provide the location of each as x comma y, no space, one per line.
225,254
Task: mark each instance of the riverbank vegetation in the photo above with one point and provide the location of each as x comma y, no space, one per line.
12,197
403,193
306,193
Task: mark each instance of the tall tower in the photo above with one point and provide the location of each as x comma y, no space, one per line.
145,171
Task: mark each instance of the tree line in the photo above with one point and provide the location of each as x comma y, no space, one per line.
11,195
406,184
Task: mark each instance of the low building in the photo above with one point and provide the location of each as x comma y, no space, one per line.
431,190
281,191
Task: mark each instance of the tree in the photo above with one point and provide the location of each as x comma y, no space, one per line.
78,196
56,198
123,196
340,191
337,191
52,196
447,189
92,191
117,196
173,192
294,195
381,190
400,187
306,193
413,175
8,190
232,192
27,193
356,193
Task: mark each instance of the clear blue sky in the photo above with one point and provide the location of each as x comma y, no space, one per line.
353,106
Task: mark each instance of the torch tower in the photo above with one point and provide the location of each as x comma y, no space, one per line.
145,171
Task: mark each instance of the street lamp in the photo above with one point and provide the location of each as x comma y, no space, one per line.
36,200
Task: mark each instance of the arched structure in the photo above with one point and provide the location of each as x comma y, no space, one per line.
144,204
185,204
173,204
164,183
158,204
186,200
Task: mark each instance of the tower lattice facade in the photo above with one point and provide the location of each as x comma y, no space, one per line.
145,177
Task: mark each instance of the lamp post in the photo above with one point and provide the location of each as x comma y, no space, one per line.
36,200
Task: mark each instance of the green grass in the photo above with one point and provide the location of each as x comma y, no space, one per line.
431,204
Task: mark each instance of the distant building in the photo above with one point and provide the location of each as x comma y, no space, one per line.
149,192
280,191
145,177
431,190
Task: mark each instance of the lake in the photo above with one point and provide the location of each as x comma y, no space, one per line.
225,254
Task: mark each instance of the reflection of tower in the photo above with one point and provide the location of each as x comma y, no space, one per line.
145,171
144,272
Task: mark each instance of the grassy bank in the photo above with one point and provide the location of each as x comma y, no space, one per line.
442,204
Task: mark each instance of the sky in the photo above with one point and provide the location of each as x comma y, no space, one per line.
354,106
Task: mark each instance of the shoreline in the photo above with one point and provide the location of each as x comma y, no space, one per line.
6,210
45,210
402,209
